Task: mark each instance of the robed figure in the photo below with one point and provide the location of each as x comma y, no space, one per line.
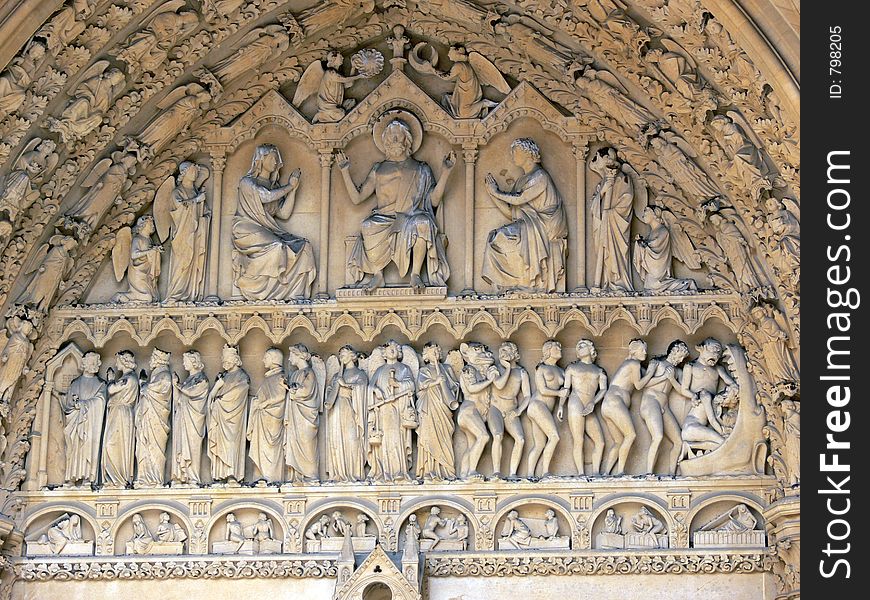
527,253
437,398
188,421
183,219
611,210
345,408
152,422
83,408
118,438
269,263
391,412
227,418
304,405
266,419
402,227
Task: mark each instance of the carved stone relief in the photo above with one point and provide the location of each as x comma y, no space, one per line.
642,145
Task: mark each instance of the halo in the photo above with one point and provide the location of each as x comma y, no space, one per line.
405,117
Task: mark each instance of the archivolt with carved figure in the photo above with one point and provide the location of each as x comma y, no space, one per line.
511,278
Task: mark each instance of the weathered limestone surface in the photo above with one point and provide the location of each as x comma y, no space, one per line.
348,298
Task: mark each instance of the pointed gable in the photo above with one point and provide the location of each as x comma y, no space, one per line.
377,567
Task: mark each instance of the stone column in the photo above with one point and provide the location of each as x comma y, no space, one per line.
580,150
218,164
469,155
325,181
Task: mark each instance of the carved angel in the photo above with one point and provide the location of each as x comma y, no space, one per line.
182,219
733,241
346,415
67,24
741,145
329,84
393,370
106,182
137,257
306,382
18,76
655,252
18,189
675,68
99,86
164,28
178,108
471,71
675,156
255,48
49,267
604,89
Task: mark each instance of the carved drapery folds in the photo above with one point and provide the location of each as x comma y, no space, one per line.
126,183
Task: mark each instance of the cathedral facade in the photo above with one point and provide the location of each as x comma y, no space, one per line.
385,299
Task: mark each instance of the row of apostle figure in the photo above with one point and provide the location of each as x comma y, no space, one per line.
356,417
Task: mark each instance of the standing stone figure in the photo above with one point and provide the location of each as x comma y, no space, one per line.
529,252
188,420
511,394
791,417
771,333
549,387
437,398
586,384
346,411
402,227
83,408
269,263
266,419
182,219
612,210
391,411
13,359
152,422
118,442
614,407
476,378
227,418
307,379
49,267
655,409
136,256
